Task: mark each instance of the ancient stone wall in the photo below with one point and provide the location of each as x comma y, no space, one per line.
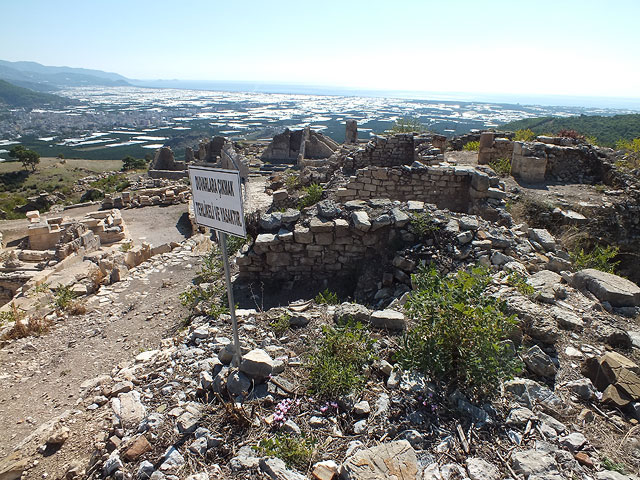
319,247
455,188
383,151
293,146
168,174
168,195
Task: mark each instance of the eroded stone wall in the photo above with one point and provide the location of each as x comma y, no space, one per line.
384,152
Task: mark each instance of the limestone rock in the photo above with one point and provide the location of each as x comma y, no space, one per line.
128,408
58,436
539,362
533,462
351,311
276,469
11,467
245,459
389,319
257,364
172,459
528,392
617,370
543,237
583,388
573,442
395,460
481,470
607,287
327,470
361,221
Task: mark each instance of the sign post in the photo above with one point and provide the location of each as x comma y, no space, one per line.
217,204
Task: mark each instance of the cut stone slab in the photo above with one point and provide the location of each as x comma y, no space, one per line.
389,319
607,287
394,460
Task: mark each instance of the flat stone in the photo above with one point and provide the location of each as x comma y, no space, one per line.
393,460
543,237
172,459
275,469
539,362
128,408
583,388
245,459
528,392
573,442
607,287
351,311
389,319
362,408
137,448
469,223
480,469
326,470
257,364
361,221
520,416
533,462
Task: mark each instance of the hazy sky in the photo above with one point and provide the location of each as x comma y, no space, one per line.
562,47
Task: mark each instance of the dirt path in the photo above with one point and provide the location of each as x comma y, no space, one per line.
40,377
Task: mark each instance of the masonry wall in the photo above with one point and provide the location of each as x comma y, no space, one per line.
455,188
384,152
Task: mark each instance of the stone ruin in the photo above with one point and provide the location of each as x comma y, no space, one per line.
54,246
164,165
171,194
297,145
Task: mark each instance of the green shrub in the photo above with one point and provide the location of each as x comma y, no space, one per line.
235,243
336,365
609,464
525,135
292,182
422,224
632,150
502,166
471,147
458,336
112,183
63,298
517,281
131,163
326,297
294,451
600,258
280,325
13,315
313,194
210,291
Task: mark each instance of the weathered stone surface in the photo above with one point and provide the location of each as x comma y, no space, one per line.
361,221
583,388
520,416
543,237
58,436
362,408
351,311
611,475
188,421
528,392
533,462
389,319
327,470
11,467
482,470
573,442
172,459
257,364
614,369
394,460
607,287
245,459
137,448
276,469
539,362
128,408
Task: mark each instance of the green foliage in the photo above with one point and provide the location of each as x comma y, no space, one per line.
125,247
280,325
13,315
296,452
608,130
502,166
112,183
407,125
209,293
517,281
458,336
525,135
336,364
422,224
313,194
326,297
471,147
15,96
28,158
63,299
632,150
131,163
292,182
600,258
609,464
235,243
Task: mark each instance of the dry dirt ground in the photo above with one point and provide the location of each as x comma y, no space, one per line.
41,377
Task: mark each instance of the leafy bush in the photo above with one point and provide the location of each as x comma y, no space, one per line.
632,150
131,163
458,336
471,147
407,125
502,166
422,224
336,365
235,243
292,182
63,298
525,135
13,315
209,293
280,325
600,258
326,297
520,283
313,194
294,451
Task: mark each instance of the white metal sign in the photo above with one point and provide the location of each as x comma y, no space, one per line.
217,199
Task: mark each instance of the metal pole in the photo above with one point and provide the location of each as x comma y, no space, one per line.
237,357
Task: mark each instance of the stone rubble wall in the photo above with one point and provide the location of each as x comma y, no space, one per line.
169,195
456,188
293,146
384,151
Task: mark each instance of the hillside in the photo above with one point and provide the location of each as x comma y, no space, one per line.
15,96
606,130
45,78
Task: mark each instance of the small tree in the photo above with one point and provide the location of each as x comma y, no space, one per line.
130,163
29,158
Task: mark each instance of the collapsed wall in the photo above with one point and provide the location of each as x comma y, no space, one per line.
462,189
294,146
164,165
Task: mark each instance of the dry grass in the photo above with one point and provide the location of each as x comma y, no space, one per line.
34,326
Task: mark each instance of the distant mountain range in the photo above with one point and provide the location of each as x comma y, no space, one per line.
43,78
